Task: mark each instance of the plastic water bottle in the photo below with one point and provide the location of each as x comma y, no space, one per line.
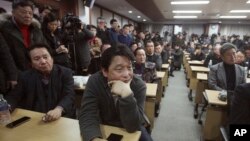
5,117
210,63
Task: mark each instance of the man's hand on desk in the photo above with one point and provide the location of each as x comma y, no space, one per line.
98,139
120,88
53,114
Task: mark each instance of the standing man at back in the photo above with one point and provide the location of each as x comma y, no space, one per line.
20,31
113,34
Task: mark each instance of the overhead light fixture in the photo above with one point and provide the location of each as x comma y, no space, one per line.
187,11
233,17
189,2
248,1
240,11
130,11
138,17
144,20
185,17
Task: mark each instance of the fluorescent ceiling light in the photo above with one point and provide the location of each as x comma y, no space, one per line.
189,2
144,20
233,17
130,11
185,17
248,1
240,11
138,17
188,11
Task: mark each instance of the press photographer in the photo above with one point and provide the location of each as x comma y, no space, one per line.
76,38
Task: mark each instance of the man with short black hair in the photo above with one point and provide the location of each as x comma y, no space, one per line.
151,56
45,88
226,75
113,34
124,38
117,100
214,56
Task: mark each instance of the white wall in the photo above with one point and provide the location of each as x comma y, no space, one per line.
83,12
235,29
95,13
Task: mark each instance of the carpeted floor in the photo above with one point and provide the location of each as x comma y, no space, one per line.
175,121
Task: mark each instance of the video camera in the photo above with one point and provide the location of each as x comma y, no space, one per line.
71,23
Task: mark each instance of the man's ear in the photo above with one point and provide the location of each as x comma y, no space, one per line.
104,72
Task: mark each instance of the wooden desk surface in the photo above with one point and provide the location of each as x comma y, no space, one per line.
165,66
64,129
199,69
201,76
212,97
151,89
160,74
195,62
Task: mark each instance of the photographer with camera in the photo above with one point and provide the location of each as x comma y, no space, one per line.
77,37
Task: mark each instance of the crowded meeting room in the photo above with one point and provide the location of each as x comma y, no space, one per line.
124,70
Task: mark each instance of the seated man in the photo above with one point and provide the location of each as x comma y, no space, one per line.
226,75
113,97
198,54
152,56
45,88
143,69
239,112
214,56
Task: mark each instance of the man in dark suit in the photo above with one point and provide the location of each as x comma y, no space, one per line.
240,113
151,56
46,88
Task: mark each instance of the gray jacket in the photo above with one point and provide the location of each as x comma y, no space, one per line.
217,77
98,107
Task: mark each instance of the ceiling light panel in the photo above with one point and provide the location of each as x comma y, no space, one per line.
187,11
185,17
233,17
189,2
240,11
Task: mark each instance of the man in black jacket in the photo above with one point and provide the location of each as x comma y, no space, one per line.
20,31
45,88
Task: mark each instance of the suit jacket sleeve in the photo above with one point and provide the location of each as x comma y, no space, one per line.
132,107
212,79
68,91
89,118
7,61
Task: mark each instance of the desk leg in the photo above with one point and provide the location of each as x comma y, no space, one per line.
150,110
198,97
214,119
190,95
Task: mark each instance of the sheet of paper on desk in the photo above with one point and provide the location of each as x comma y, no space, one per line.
80,80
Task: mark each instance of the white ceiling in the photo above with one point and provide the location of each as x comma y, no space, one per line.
210,12
122,7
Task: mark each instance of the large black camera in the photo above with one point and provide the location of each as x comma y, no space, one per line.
71,23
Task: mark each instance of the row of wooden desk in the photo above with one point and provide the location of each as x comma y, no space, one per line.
64,129
197,76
